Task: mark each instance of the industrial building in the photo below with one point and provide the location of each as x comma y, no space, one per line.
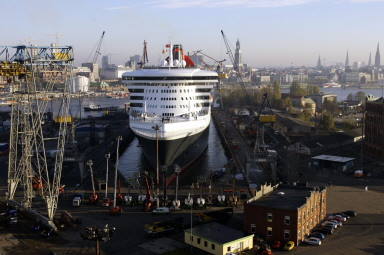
333,162
218,239
374,123
285,212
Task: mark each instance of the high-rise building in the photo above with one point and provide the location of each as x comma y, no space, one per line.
370,59
104,62
377,56
319,63
238,54
135,58
347,60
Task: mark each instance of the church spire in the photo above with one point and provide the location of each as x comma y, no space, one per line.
347,60
319,62
370,59
377,57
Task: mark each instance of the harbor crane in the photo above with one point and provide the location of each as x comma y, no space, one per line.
27,166
97,52
264,116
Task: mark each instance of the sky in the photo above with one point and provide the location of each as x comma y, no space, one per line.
272,33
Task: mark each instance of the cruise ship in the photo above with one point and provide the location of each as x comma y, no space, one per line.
170,109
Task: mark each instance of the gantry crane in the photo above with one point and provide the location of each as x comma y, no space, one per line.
27,164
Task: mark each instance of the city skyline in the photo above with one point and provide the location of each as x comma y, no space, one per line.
277,33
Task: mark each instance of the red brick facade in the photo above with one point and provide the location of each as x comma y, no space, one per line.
374,125
275,223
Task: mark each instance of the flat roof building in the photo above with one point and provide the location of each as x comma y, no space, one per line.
218,239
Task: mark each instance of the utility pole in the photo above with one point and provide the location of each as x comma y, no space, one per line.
119,138
157,128
107,156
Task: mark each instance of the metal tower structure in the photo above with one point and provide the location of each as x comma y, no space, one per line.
24,66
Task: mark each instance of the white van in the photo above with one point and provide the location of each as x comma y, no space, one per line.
76,201
161,210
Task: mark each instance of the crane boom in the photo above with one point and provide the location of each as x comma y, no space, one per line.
97,52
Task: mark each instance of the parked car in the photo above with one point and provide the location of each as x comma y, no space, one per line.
161,210
342,214
341,217
289,246
312,241
317,235
325,231
337,223
331,224
276,245
350,213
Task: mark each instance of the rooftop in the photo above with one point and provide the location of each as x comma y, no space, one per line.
333,158
285,197
216,233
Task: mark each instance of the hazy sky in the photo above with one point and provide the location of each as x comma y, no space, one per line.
271,32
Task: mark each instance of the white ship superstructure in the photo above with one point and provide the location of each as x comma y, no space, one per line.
171,104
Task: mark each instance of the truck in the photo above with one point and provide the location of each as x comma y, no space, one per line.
76,201
217,215
157,229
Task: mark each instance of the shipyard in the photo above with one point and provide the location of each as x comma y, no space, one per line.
186,147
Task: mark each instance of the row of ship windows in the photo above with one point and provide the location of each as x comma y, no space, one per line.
169,106
168,98
171,114
168,90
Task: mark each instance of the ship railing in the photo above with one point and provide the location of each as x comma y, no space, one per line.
168,119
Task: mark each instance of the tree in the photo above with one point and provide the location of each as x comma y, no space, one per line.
276,90
313,90
296,90
349,124
331,106
360,96
327,121
305,115
288,104
350,97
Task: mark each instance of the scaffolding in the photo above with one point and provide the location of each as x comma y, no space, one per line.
23,66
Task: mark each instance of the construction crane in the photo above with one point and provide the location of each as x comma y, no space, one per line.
27,166
97,52
194,53
93,199
149,201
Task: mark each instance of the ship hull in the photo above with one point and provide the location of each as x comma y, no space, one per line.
182,151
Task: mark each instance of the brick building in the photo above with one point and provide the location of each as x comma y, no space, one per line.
374,125
285,213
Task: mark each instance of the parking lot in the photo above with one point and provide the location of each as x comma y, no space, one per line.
363,234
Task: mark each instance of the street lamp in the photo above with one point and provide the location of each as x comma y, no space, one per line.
107,156
177,172
157,128
119,138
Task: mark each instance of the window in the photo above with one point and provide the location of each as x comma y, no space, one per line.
205,243
269,217
198,240
253,228
287,220
269,231
191,238
213,246
229,248
286,234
